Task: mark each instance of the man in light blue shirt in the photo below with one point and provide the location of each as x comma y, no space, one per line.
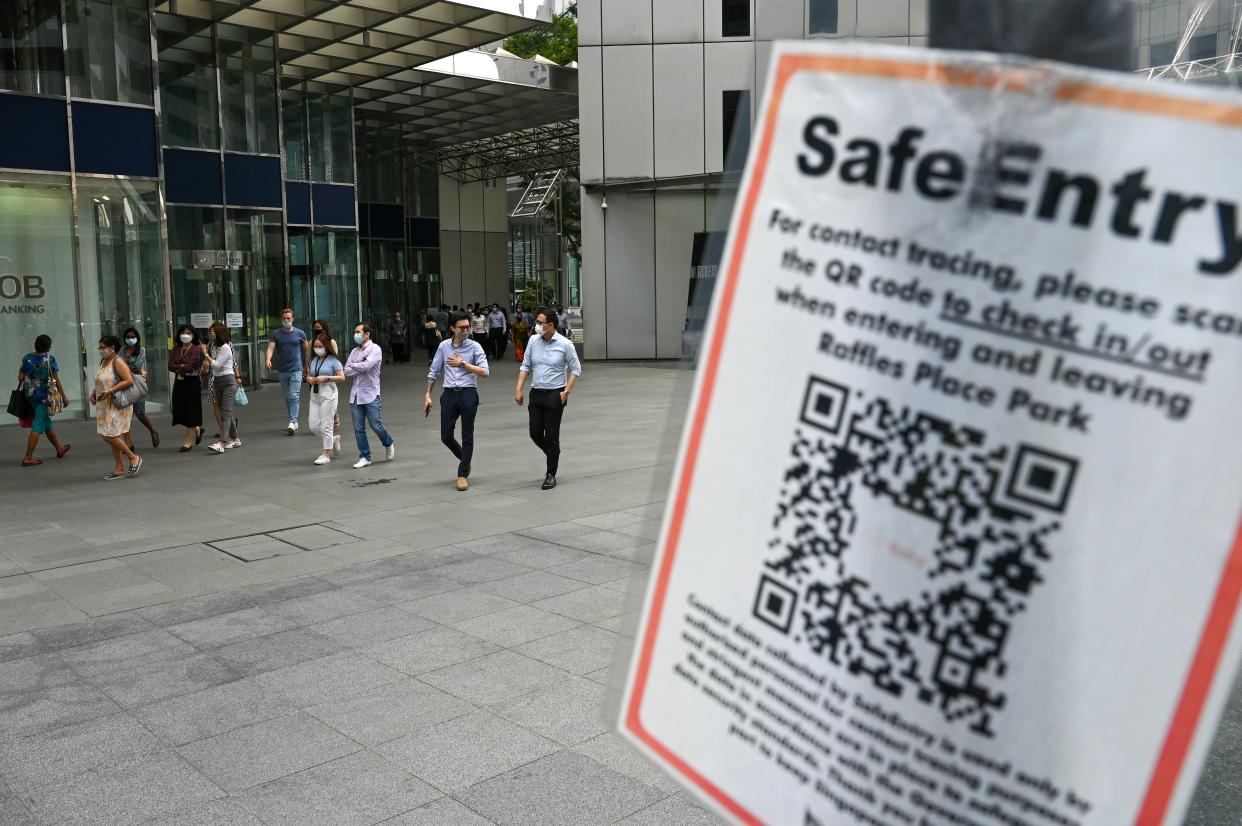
553,363
462,360
497,328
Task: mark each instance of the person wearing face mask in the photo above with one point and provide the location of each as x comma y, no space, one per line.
363,366
219,361
135,356
112,422
320,328
323,375
39,379
553,363
461,360
398,333
497,329
185,362
292,350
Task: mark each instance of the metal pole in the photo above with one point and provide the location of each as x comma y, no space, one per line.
1097,33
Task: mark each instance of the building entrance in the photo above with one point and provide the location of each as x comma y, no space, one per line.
212,286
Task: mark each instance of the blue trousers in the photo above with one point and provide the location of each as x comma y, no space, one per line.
459,403
291,384
365,414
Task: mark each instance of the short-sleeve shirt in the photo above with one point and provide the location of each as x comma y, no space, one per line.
37,368
329,365
289,350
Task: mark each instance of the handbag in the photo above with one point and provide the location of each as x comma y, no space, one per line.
19,405
241,399
128,396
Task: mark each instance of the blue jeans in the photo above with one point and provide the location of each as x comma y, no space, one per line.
459,404
291,384
365,414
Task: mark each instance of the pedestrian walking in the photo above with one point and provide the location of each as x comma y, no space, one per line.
431,336
562,323
224,377
497,330
442,318
185,362
363,366
521,334
325,372
478,329
320,328
39,380
291,348
135,356
462,360
398,334
553,365
112,422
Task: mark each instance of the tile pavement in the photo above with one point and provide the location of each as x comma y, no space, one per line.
429,657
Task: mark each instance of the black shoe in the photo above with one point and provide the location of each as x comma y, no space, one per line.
549,482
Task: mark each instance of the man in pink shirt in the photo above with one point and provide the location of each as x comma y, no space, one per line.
363,365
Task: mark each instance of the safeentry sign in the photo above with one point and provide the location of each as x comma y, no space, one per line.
954,533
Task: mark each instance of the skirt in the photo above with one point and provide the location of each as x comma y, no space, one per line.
187,403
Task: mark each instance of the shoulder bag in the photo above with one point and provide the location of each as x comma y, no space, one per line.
136,392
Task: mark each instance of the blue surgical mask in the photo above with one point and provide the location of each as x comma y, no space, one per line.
357,338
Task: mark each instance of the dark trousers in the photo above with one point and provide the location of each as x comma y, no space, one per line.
399,355
457,404
497,337
545,424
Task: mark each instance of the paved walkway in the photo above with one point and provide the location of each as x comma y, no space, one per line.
250,639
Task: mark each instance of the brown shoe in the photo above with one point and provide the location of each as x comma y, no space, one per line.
462,484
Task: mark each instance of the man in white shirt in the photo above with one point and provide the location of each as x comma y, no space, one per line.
462,361
553,363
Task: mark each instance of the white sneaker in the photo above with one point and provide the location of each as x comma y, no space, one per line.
322,460
390,452
216,447
336,445
233,444
293,428
361,463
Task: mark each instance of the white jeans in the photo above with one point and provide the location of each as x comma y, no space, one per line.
322,412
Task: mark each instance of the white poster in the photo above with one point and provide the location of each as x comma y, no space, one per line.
200,320
954,533
234,321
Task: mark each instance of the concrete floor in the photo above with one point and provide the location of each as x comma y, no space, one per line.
250,639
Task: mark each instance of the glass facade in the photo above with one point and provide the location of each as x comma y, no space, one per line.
189,107
31,54
110,50
248,91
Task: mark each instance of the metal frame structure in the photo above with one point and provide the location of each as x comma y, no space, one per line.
523,152
1221,66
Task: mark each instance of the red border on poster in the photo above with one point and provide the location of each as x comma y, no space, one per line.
1224,606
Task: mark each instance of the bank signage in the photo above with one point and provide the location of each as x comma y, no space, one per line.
20,293
955,540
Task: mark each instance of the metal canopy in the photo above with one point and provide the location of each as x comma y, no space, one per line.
408,61
524,152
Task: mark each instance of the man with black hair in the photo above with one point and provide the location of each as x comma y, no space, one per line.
553,363
461,360
363,365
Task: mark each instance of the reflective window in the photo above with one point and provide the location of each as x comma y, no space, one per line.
187,88
422,186
37,270
122,270
1162,53
331,133
384,275
293,117
335,262
821,17
110,50
735,108
379,164
1202,47
734,18
31,54
260,234
248,91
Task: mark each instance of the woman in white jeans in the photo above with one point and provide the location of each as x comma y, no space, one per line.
323,373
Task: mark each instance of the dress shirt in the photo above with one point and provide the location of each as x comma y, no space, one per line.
549,362
470,351
497,321
363,366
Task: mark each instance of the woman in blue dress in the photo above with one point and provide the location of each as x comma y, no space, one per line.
135,356
40,380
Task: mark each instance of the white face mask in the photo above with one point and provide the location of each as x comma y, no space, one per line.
131,341
539,328
319,351
186,338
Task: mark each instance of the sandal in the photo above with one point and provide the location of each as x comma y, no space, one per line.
31,462
198,436
155,439
185,448
60,454
135,467
114,475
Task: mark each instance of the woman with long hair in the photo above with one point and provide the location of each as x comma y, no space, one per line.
112,422
39,379
320,328
326,372
135,356
185,362
219,358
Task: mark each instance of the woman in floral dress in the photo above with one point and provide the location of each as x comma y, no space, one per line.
112,422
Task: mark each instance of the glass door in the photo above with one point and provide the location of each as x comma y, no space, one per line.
202,297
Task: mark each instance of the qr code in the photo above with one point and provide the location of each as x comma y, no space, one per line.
989,512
